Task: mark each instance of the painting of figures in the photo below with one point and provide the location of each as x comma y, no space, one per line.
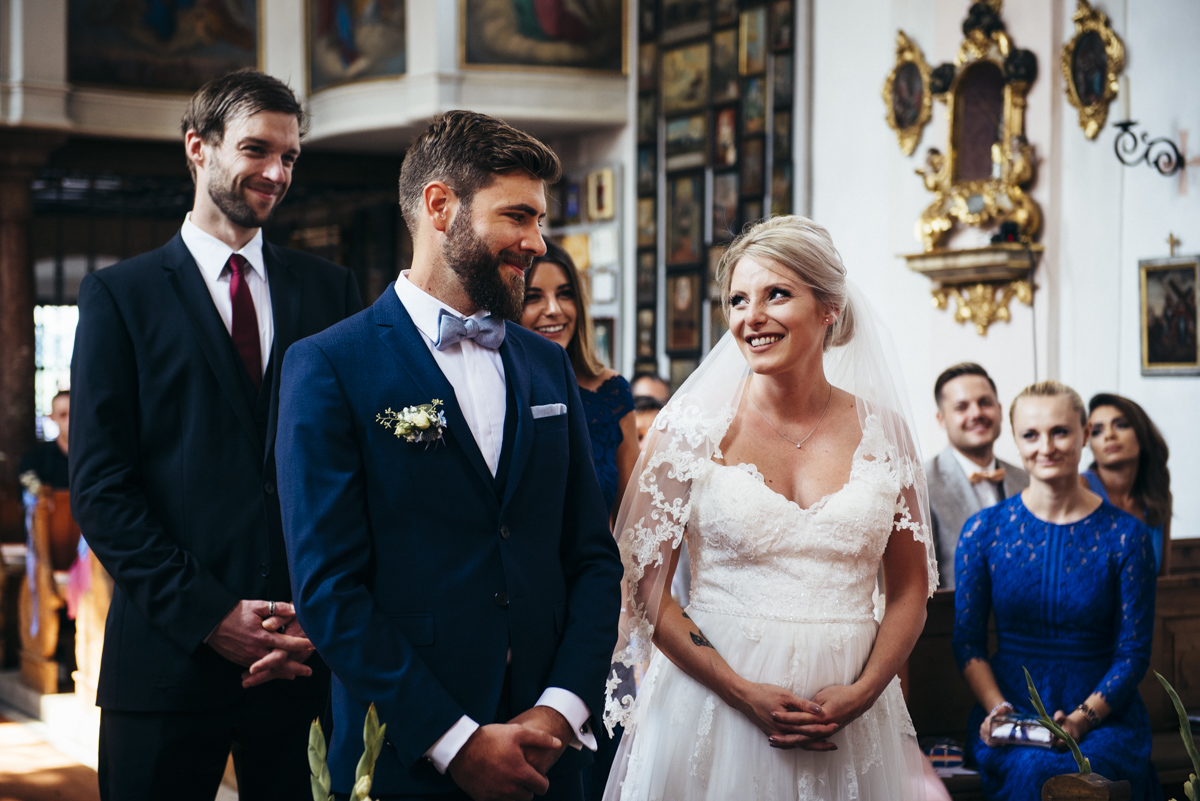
159,45
548,34
353,40
1170,335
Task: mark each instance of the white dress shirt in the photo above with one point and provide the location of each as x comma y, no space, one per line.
476,374
211,256
986,491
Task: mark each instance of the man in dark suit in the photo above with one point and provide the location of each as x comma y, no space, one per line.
175,377
966,476
454,566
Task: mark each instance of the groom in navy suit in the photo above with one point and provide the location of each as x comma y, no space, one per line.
465,582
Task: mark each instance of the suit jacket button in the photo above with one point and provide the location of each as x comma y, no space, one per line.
265,569
269,487
505,533
501,599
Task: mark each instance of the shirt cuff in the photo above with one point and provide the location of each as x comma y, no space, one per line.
449,744
571,707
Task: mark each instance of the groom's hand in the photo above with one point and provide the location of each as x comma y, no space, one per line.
491,766
550,721
241,637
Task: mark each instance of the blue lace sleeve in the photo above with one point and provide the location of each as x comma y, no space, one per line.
972,590
1135,628
605,408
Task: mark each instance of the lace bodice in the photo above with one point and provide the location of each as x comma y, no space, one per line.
755,553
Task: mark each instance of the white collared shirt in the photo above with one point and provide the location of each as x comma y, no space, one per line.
476,374
211,256
986,491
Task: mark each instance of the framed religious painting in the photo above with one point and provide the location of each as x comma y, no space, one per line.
783,24
725,12
509,35
754,106
781,188
647,223
687,142
358,43
684,19
573,203
752,167
725,66
782,79
907,94
685,223
725,149
647,118
1170,295
645,335
752,41
683,301
781,135
647,169
685,78
647,277
724,206
1092,63
647,66
601,194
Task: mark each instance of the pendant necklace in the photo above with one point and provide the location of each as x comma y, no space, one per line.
780,433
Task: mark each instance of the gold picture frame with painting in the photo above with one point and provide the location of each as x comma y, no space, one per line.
601,194
1092,63
1170,297
685,73
906,94
491,37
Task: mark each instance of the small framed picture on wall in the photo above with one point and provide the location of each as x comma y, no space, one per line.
754,106
752,167
1170,296
685,221
724,206
645,334
752,41
647,277
605,330
683,313
725,66
647,222
725,151
687,141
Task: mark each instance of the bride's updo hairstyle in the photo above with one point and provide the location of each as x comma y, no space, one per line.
804,247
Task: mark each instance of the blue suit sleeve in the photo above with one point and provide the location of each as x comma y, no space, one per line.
322,493
1136,586
592,568
166,583
972,591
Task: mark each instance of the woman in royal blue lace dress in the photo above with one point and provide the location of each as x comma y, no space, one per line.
556,308
1071,580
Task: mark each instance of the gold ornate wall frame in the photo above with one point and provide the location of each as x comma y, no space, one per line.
1092,62
980,179
906,94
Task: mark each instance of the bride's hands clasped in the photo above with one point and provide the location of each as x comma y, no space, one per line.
830,710
776,711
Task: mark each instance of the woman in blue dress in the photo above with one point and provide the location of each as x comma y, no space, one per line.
556,307
1071,581
1129,466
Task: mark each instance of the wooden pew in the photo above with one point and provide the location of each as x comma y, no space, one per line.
54,540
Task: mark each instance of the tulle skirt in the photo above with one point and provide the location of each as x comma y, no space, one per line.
685,743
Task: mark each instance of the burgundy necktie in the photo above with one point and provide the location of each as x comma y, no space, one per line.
245,321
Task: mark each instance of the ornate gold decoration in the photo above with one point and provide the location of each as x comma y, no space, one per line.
1100,81
1000,197
981,281
908,132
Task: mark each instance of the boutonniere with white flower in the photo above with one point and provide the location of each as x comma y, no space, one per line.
421,423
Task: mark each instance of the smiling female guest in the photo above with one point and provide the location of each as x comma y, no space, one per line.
1130,466
556,308
1071,581
787,463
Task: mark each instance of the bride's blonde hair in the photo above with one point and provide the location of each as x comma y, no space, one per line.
804,247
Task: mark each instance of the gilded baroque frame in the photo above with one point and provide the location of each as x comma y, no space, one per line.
1162,318
1092,115
907,52
1001,198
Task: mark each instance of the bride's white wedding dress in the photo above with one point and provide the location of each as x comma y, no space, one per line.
784,594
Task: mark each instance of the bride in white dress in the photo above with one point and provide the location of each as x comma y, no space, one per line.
787,463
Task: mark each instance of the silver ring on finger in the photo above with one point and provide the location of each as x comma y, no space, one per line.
271,609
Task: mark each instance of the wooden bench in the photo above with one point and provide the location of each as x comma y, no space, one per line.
54,538
939,699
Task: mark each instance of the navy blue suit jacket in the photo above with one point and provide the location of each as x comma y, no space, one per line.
172,465
413,572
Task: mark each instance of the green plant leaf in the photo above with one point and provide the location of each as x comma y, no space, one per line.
1185,726
317,763
1085,766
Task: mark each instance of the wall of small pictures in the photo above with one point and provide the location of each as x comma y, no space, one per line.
714,131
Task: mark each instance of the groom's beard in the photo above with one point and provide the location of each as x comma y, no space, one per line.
487,283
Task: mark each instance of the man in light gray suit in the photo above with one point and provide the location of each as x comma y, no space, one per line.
967,476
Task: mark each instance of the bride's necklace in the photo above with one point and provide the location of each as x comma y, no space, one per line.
780,433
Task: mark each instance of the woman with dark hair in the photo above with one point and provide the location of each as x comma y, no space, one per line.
1129,467
556,306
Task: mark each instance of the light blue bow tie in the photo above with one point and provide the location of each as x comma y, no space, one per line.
488,332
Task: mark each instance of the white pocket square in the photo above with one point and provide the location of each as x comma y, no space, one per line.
548,410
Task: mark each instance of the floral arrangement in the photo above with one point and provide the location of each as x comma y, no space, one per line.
363,776
421,423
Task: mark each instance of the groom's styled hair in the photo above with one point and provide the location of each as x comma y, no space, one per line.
467,150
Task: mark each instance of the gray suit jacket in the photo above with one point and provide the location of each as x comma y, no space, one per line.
952,500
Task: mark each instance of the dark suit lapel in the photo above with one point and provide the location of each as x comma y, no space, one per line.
184,277
516,373
406,343
286,288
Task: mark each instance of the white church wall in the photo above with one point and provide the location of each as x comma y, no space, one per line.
1099,217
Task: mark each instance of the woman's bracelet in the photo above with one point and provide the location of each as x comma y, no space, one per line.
1093,719
998,706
